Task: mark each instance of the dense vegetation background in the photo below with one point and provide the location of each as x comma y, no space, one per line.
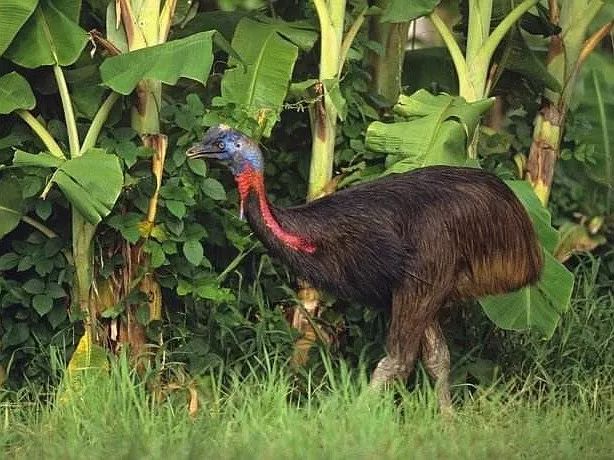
174,274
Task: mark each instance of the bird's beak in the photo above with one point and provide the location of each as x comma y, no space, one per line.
200,150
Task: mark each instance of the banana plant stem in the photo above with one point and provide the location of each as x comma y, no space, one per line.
69,113
98,122
42,133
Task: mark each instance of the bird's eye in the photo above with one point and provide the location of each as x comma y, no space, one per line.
238,145
220,145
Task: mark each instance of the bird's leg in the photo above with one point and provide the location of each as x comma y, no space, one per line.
436,360
413,307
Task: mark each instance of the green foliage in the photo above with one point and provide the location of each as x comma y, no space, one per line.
189,57
10,206
91,182
595,111
15,94
50,36
540,216
262,416
436,131
259,89
224,299
13,15
402,11
539,307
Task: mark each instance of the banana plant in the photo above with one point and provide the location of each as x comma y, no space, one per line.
47,33
583,25
92,195
436,128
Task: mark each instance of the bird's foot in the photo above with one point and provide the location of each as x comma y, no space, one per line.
387,370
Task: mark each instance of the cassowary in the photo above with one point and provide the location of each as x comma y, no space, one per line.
413,242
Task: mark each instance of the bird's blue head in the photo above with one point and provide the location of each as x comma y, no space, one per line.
231,147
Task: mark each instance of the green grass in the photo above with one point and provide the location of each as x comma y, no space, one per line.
262,418
556,400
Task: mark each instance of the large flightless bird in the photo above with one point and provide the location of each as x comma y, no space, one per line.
413,242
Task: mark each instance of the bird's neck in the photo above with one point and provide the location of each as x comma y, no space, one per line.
251,181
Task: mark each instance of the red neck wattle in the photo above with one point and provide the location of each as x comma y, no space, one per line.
250,179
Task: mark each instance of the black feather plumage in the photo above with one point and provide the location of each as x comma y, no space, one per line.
432,224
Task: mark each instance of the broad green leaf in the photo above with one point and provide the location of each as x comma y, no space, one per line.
57,315
213,189
436,132
91,182
16,334
51,36
193,251
537,307
34,286
225,22
548,236
302,33
176,208
404,10
189,57
261,88
9,261
518,57
13,15
15,94
42,303
41,160
10,205
595,106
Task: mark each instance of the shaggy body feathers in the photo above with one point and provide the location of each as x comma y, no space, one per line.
458,230
412,241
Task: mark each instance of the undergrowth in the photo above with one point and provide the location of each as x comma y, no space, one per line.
552,399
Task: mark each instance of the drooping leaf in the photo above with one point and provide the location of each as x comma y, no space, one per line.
15,94
91,182
41,160
13,15
302,33
404,10
537,307
576,238
436,131
259,89
517,56
10,205
88,359
50,36
189,57
225,22
548,236
596,108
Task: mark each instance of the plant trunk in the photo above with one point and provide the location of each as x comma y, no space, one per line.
148,27
386,68
544,150
566,54
323,115
82,236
